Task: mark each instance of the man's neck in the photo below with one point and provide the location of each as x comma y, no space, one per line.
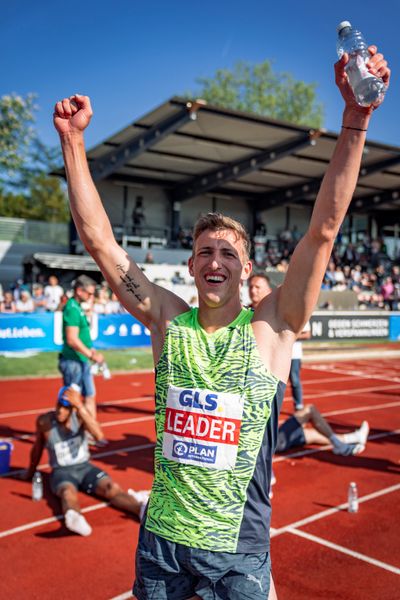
213,318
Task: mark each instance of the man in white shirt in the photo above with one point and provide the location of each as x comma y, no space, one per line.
53,292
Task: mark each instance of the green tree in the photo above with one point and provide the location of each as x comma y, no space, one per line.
257,88
27,190
16,133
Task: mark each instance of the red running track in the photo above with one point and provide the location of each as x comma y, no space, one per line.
319,550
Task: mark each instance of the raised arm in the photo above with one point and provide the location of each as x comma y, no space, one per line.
86,418
299,292
151,304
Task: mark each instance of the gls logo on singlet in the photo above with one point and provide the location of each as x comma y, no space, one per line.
202,427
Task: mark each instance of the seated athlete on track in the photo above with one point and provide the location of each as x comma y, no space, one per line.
294,432
64,433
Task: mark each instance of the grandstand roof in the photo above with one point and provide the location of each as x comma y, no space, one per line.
191,148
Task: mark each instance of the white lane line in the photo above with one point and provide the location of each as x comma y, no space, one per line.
123,421
365,374
333,510
46,521
28,436
93,457
309,451
343,550
124,596
39,411
361,409
354,391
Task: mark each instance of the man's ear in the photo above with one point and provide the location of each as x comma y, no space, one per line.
247,269
190,265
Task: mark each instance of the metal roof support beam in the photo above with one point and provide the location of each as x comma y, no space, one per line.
208,181
298,192
365,203
113,160
380,165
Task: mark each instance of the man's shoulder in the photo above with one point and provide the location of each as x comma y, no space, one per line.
44,421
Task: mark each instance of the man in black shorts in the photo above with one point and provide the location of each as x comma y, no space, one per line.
295,432
64,433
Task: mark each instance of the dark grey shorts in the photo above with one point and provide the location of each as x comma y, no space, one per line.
290,434
169,571
84,477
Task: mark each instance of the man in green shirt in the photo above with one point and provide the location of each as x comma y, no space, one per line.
77,351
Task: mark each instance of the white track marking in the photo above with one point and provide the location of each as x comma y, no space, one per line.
354,391
49,520
343,550
123,421
354,372
39,411
333,510
345,411
124,596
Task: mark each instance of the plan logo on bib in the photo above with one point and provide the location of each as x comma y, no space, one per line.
202,427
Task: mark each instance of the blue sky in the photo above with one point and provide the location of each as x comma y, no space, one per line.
130,56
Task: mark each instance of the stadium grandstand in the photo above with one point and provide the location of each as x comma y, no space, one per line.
185,158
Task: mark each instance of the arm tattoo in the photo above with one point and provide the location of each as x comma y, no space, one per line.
129,282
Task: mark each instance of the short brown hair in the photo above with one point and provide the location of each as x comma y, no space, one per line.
83,281
217,222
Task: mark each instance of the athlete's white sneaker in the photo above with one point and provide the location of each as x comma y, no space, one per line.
359,436
77,523
142,497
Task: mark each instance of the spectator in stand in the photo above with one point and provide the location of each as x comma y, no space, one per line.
387,291
285,239
101,298
38,297
17,287
177,278
114,306
331,273
53,292
339,275
149,258
8,304
138,216
350,256
25,303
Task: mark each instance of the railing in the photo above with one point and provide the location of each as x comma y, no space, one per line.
38,232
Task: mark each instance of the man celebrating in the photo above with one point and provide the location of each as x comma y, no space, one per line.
64,433
220,371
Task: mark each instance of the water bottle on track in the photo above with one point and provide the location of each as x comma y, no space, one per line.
37,486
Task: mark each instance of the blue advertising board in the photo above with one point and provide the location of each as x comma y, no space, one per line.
394,328
43,331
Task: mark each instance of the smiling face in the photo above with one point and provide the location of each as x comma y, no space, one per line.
219,263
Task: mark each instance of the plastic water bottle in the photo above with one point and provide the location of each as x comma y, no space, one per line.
367,87
352,498
105,370
37,486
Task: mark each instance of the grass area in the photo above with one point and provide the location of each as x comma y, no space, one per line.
131,359
45,363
